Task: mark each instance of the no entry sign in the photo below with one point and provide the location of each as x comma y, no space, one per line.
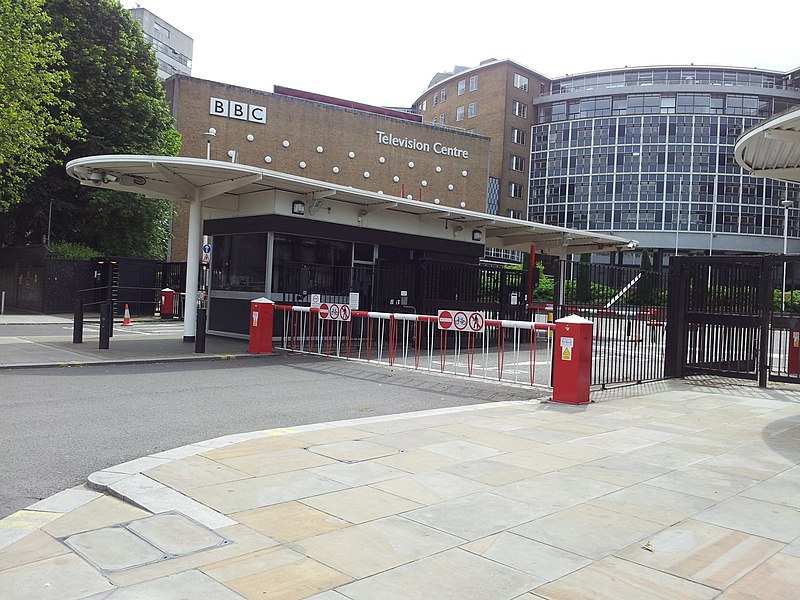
334,312
324,311
462,320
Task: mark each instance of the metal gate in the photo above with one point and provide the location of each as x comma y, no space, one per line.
721,310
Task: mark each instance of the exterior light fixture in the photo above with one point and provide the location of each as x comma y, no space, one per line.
477,235
268,159
298,207
450,187
463,173
209,135
351,154
250,137
463,204
320,149
285,143
303,164
411,164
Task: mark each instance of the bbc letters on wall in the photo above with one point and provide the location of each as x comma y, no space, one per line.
238,110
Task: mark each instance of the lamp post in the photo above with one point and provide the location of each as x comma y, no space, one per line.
209,135
787,204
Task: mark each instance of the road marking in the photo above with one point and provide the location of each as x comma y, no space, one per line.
279,431
30,520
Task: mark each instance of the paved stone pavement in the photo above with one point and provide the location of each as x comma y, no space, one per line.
674,490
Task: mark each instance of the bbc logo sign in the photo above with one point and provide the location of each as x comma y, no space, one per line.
238,110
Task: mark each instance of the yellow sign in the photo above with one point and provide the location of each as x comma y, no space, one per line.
566,354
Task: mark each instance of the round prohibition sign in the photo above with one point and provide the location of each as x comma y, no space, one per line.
334,310
323,311
460,321
445,319
344,312
476,321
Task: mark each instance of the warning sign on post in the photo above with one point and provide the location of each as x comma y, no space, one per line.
334,312
567,344
461,320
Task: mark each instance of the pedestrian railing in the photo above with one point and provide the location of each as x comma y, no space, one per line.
510,351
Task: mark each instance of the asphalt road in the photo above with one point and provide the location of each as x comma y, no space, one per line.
60,425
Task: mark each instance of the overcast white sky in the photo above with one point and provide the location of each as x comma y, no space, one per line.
385,53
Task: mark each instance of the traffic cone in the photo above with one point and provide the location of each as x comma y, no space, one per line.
126,320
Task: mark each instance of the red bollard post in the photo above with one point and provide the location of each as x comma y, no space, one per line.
794,352
167,303
262,314
572,360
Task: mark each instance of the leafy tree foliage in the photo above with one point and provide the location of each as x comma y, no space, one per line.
121,104
34,118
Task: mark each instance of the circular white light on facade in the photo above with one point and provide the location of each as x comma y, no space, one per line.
463,205
395,179
366,174
436,201
409,197
463,173
320,149
285,143
380,192
231,153
438,169
212,130
250,137
411,164
335,169
351,154
268,159
424,183
381,160
450,187
303,164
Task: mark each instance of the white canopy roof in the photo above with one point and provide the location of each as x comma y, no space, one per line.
772,149
188,179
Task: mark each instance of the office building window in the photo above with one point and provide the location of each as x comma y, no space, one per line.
443,95
462,86
517,163
424,105
473,83
460,113
518,136
441,119
435,98
472,109
514,214
160,30
520,109
515,190
435,121
520,82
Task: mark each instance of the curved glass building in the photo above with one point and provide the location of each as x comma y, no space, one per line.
649,153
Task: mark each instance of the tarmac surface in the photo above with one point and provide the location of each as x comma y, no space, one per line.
683,489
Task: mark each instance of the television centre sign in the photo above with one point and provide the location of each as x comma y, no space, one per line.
388,139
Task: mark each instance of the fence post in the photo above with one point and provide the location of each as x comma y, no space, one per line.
200,331
765,302
106,324
77,322
676,333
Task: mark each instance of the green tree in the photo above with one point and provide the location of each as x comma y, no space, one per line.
646,285
34,115
121,104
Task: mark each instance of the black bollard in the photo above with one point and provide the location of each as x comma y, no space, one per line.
106,322
77,322
200,331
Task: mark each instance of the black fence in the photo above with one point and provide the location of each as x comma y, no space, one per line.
628,309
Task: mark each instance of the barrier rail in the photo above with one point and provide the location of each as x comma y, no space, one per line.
509,351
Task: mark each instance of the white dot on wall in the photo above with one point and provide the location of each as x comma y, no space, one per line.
381,160
424,183
450,187
463,205
395,179
409,197
411,164
436,201
335,169
380,191
351,154
303,164
250,137
320,149
212,130
366,174
438,169
463,173
268,159
285,143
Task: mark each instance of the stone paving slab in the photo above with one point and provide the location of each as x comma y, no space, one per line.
673,490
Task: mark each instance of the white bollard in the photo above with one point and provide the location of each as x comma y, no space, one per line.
2,303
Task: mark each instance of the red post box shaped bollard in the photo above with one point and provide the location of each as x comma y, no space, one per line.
572,360
167,303
794,352
262,314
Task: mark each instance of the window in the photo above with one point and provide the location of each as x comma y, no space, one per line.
240,262
520,109
460,113
472,109
473,83
441,119
160,30
515,190
462,86
514,214
424,105
443,95
517,163
518,136
520,82
435,98
435,121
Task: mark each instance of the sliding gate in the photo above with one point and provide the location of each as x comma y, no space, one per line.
720,310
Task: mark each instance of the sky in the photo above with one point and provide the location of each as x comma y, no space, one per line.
385,53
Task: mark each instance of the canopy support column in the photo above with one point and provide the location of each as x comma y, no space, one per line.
192,267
